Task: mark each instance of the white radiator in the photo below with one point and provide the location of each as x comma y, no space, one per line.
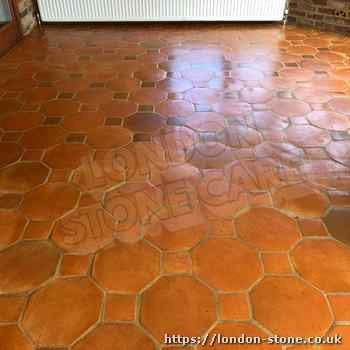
161,10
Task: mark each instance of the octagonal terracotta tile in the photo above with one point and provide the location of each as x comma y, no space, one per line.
241,137
50,201
11,338
152,74
202,96
178,233
17,275
190,307
301,200
149,96
59,108
210,155
341,105
145,122
12,224
281,305
85,231
95,97
126,268
120,108
255,95
123,85
284,153
267,120
205,122
232,108
262,227
336,221
175,108
67,155
9,106
19,121
339,151
116,336
226,264
296,74
9,153
109,137
307,136
83,121
22,177
175,85
310,95
43,137
324,263
133,205
289,107
62,311
39,94
329,120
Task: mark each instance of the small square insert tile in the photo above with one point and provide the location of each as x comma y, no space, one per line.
76,138
175,96
38,230
291,64
11,308
146,108
53,121
234,307
121,96
112,121
120,307
142,138
176,263
312,227
148,84
75,265
276,263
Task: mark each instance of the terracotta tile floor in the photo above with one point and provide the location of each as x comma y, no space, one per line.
177,179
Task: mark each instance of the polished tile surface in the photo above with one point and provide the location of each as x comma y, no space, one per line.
174,179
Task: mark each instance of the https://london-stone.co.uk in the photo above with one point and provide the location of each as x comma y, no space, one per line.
220,339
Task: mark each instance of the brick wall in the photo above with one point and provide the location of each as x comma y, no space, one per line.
331,15
26,14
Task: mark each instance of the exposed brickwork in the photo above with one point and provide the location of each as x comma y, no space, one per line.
333,15
26,14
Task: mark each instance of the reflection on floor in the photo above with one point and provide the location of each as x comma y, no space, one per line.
174,179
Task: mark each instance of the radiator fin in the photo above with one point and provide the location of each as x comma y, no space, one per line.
161,10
